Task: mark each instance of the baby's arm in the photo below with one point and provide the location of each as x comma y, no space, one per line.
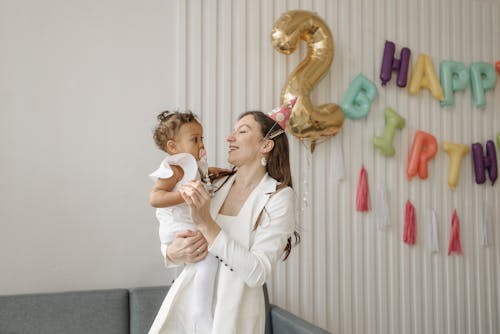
161,195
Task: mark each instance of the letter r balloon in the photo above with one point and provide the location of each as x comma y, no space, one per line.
424,148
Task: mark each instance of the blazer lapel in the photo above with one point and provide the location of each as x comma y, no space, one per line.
259,199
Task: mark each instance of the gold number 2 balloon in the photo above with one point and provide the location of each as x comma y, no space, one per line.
307,121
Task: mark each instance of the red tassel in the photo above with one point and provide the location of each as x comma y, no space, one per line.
363,194
410,230
455,245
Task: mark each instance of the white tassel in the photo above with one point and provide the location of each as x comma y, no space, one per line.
337,159
487,232
434,233
381,209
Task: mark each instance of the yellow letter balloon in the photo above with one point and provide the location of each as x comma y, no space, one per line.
455,152
307,121
425,76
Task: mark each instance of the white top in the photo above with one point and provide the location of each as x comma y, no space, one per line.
175,218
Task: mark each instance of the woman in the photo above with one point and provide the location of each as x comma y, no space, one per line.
247,226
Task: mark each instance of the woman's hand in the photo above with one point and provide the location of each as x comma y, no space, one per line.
198,199
187,247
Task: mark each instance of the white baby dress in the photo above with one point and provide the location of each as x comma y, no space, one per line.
175,218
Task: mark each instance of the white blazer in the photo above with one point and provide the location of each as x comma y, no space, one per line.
243,268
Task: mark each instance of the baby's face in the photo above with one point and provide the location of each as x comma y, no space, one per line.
189,139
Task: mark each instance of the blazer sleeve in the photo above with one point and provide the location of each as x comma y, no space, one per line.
255,265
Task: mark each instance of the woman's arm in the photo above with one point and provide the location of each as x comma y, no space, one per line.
187,247
161,195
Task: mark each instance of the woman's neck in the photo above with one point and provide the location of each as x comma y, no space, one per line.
247,177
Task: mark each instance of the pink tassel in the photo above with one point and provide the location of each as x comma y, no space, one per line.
455,245
363,194
410,230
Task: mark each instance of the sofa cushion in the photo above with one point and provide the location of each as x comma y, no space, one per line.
285,322
144,305
79,312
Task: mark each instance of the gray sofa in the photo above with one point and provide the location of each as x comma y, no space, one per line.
119,311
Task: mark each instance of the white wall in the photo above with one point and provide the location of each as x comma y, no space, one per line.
81,83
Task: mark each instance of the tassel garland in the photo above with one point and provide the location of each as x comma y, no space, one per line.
410,229
363,195
455,245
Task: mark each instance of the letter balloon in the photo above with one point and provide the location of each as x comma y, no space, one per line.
393,121
358,98
424,76
423,149
390,63
483,78
455,152
454,77
482,163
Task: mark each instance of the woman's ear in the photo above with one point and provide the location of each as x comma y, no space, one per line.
171,147
268,146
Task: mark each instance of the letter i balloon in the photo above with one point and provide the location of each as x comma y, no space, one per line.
393,121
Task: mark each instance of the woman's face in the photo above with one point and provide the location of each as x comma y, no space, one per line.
245,142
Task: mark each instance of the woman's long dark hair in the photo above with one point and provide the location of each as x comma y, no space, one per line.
278,162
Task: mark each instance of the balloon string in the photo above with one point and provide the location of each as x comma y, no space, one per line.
305,183
486,239
434,232
381,209
337,160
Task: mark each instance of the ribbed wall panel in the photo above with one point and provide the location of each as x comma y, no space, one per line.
347,276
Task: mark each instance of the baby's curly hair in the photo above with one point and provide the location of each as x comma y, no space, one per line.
169,123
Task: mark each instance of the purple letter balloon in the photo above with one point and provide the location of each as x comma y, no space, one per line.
482,163
389,64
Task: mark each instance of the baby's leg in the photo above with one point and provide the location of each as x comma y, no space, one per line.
204,292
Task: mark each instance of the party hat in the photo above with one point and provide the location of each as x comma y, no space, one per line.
282,114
